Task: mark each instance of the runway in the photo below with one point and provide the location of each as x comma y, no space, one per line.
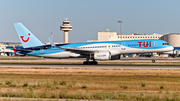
76,63
72,66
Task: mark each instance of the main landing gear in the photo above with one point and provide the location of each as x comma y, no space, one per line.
90,63
87,62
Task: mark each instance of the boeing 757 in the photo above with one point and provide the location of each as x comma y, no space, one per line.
107,50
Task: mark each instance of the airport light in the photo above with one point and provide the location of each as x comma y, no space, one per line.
120,27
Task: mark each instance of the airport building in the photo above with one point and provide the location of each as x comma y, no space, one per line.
111,36
172,38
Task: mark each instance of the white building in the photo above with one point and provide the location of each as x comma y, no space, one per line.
172,38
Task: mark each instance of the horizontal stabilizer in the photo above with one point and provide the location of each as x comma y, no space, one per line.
23,50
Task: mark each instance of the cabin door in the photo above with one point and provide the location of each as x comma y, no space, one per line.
41,51
155,44
123,46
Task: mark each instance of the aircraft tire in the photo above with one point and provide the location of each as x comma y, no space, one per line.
95,63
153,61
85,63
90,63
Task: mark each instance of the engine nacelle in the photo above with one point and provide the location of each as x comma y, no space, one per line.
102,56
116,57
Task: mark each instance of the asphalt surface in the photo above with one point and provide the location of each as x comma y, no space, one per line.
68,63
72,66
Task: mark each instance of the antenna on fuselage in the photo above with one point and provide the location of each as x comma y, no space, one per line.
51,36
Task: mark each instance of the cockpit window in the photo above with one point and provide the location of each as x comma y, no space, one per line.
165,44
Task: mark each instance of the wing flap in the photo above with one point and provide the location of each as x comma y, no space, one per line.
83,52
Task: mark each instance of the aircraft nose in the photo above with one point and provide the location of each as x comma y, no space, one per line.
171,48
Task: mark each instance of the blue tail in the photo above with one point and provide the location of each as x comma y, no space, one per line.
27,38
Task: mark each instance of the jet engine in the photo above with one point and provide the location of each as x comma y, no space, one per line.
101,56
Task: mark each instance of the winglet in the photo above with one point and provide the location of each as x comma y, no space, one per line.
52,44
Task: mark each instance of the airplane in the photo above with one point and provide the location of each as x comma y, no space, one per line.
16,53
5,51
107,50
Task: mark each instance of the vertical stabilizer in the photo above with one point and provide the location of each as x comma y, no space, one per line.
27,38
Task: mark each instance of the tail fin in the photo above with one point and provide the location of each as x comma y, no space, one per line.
14,48
27,38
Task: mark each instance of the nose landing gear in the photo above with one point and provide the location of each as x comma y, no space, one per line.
153,60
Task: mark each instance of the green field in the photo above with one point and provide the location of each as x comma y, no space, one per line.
90,84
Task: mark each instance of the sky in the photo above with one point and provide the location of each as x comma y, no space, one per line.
42,17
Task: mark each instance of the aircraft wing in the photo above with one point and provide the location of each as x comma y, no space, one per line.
23,50
82,52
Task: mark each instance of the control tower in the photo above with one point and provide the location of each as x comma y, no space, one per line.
66,27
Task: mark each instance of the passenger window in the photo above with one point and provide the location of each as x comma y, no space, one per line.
165,44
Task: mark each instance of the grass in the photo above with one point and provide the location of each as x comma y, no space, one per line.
93,85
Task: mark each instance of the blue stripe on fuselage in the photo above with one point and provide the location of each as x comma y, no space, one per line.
127,43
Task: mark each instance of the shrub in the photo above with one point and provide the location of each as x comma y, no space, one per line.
161,87
25,85
39,84
124,87
8,82
62,83
84,87
143,85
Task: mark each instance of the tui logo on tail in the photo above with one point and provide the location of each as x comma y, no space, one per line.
23,37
